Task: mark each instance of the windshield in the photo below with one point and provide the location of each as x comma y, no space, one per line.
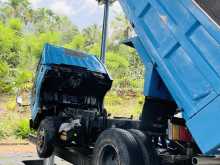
211,7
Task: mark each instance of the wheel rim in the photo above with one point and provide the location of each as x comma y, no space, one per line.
109,156
40,139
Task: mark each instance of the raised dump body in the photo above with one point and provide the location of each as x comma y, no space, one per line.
179,40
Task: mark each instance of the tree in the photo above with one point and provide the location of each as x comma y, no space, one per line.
26,30
68,30
16,25
10,45
78,42
6,79
122,28
18,8
93,35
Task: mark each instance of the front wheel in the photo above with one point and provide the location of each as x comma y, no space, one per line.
46,135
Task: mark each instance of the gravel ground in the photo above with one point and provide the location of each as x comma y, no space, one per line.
16,154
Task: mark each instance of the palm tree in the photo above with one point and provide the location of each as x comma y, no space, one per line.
93,34
19,8
122,28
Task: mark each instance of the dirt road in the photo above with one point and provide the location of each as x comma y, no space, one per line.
15,154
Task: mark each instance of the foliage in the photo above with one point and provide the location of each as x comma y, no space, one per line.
122,28
15,123
8,121
11,104
138,106
117,62
112,100
2,133
9,45
115,105
6,78
25,30
23,79
16,25
23,33
22,129
78,42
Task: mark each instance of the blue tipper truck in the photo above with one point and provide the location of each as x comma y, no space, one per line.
178,42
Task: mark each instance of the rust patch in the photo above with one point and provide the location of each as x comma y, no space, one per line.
74,53
164,19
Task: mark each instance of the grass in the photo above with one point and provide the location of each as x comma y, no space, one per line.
1,133
11,104
14,123
22,129
124,106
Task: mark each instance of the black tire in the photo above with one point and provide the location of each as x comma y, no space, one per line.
46,137
116,147
147,150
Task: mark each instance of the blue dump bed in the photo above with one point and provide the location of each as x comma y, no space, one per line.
180,40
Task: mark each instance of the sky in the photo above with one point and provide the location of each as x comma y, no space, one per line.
81,12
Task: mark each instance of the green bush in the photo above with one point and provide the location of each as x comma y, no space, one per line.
6,80
1,133
15,24
11,105
23,79
23,130
113,100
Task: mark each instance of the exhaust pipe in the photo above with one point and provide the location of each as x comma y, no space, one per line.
205,161
104,31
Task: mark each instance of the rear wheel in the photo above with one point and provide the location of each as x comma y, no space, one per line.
147,150
116,147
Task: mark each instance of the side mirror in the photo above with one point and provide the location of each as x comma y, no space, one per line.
19,100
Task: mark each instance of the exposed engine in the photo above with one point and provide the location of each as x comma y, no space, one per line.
75,96
78,124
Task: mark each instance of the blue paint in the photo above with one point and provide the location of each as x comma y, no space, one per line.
180,43
57,55
153,86
53,55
